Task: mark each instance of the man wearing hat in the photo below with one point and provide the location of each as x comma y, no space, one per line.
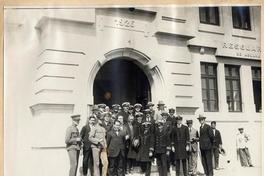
160,109
242,148
217,145
146,149
102,107
73,144
124,111
150,106
137,107
193,152
180,144
115,111
206,140
161,147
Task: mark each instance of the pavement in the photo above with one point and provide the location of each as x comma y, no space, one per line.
232,171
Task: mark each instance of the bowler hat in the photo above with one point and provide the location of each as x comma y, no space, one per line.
241,128
125,104
147,111
164,113
189,121
160,103
179,117
76,117
201,117
171,110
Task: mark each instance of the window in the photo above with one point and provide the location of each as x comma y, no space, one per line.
241,18
256,78
233,90
209,15
209,87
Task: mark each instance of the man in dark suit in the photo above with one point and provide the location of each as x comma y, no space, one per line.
206,140
217,145
116,150
180,141
124,112
161,147
87,150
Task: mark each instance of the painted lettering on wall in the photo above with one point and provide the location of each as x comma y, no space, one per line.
242,50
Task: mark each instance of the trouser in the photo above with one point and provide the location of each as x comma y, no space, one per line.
125,160
216,157
97,155
87,161
74,157
245,158
147,166
116,163
207,162
192,162
178,166
162,164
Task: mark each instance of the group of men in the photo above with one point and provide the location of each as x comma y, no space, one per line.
115,141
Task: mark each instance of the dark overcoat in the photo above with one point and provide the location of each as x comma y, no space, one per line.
180,138
146,145
217,139
206,137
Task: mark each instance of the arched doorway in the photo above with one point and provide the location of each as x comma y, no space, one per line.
120,80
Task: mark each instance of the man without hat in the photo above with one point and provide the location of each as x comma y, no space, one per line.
73,144
206,140
150,106
193,152
217,145
87,150
180,144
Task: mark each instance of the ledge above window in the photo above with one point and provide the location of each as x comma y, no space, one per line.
211,28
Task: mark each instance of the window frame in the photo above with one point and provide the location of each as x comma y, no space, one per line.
207,77
207,21
230,79
249,18
256,79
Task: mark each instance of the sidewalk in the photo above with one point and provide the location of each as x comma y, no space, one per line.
247,171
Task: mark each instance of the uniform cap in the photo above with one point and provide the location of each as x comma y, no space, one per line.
137,105
125,104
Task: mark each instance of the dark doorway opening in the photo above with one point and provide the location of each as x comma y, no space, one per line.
121,80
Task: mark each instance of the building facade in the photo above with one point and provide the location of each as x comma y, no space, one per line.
198,60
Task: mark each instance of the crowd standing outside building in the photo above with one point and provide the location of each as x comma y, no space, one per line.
118,145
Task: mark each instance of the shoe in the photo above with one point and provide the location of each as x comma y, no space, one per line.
251,165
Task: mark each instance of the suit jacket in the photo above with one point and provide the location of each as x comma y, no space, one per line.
107,126
115,143
161,140
85,137
217,140
206,137
194,138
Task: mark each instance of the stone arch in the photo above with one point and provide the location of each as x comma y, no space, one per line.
147,65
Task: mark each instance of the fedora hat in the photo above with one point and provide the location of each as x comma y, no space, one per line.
201,117
160,103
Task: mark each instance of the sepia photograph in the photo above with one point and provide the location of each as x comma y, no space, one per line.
132,90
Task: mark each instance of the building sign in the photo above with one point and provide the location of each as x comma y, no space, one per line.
239,50
122,23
